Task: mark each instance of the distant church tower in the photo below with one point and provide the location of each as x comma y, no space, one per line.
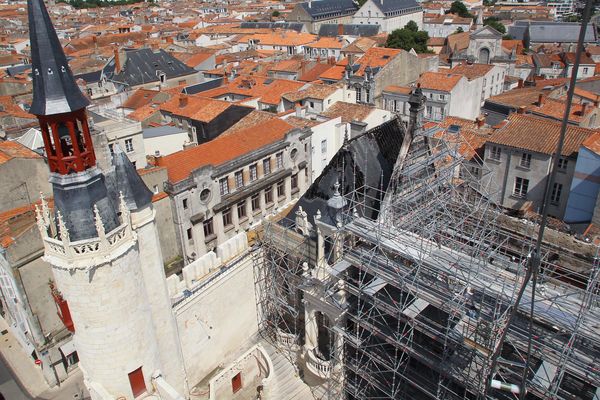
102,241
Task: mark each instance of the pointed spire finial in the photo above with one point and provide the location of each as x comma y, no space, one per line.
64,232
98,221
54,88
123,209
39,219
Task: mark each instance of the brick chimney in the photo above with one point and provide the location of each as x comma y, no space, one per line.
120,59
479,122
521,110
540,101
583,109
340,29
183,100
521,83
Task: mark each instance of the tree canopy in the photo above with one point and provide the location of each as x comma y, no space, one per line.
457,7
409,37
495,23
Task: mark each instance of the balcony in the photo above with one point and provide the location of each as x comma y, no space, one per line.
320,368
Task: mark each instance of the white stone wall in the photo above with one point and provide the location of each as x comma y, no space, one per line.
114,332
155,283
369,14
219,320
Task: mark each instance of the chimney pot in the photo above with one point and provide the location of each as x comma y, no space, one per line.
540,99
521,110
479,121
521,83
583,109
183,100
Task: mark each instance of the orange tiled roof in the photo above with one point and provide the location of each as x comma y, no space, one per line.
593,143
472,71
441,81
224,148
10,150
397,89
16,221
281,38
348,111
376,57
313,73
334,73
195,107
539,135
140,98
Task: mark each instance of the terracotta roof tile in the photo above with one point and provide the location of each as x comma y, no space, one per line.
398,89
472,71
441,81
223,149
16,221
319,92
140,98
195,107
348,111
334,73
313,73
375,57
539,135
10,150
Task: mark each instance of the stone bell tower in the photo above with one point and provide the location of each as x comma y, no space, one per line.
102,240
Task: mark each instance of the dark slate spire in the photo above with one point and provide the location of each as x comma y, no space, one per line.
128,181
54,89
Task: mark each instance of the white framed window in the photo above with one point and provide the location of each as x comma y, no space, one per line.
128,145
358,95
279,160
495,153
521,187
253,172
266,166
525,160
562,164
556,192
239,180
224,186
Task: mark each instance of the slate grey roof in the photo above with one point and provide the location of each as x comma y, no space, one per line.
551,32
204,86
90,77
54,89
142,67
125,179
366,160
294,26
329,8
389,7
159,131
349,29
18,69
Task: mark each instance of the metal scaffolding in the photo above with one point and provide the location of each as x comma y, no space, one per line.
418,280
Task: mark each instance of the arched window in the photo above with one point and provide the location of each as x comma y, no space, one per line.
484,56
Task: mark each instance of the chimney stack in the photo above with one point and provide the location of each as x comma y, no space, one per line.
183,100
521,83
583,109
521,110
540,101
120,59
596,103
479,121
340,29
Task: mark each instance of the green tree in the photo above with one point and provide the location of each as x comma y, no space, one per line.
275,14
409,37
459,30
495,23
457,7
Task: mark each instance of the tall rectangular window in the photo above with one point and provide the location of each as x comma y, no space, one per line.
128,145
266,166
227,218
324,146
358,95
294,181
208,228
562,164
224,186
521,187
279,160
269,196
255,202
239,180
495,153
280,189
185,204
253,172
556,192
189,233
241,209
525,160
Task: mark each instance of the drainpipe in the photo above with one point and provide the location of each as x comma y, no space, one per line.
505,180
